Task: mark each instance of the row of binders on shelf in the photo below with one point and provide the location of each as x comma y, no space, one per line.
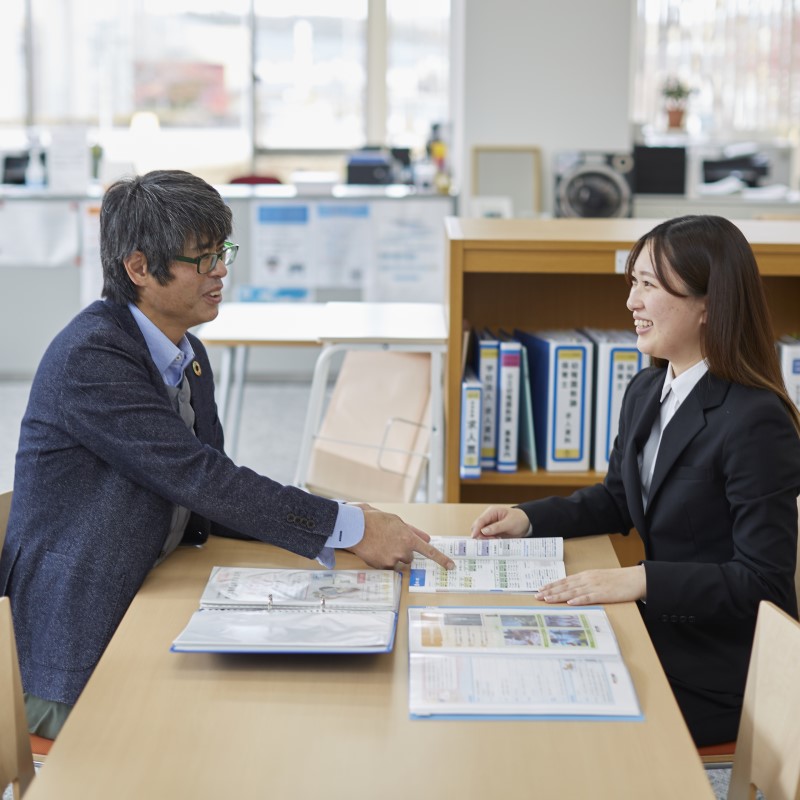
544,399
551,399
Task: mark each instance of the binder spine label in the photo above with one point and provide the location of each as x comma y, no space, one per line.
624,363
569,417
508,409
489,381
470,432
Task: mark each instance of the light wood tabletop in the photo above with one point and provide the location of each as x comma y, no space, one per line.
157,724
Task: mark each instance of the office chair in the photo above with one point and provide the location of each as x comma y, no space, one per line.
768,747
253,180
38,744
16,760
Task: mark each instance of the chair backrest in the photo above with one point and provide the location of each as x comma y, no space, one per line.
16,760
769,734
797,567
5,508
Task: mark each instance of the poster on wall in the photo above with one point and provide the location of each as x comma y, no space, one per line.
282,245
408,251
39,233
342,244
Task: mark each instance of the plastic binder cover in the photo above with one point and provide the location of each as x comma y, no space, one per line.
252,610
374,438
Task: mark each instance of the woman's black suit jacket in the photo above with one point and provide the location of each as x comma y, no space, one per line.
720,530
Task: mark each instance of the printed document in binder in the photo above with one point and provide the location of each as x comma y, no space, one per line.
522,662
490,565
248,610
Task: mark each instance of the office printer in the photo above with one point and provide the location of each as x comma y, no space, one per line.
370,166
750,168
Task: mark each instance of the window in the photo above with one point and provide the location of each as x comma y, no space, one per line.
740,59
340,75
205,77
418,69
100,63
12,63
310,72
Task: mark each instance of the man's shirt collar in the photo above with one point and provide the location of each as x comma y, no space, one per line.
170,359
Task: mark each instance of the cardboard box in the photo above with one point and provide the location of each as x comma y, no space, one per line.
375,434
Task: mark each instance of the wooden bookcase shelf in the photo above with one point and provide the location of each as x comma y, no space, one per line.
562,273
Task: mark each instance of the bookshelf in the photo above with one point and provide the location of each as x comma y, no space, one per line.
562,273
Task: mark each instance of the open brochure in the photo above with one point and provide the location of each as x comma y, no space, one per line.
518,662
248,610
490,565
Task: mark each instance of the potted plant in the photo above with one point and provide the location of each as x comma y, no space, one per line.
676,94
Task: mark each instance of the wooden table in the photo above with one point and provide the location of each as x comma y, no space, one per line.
156,724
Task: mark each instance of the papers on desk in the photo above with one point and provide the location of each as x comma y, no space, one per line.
490,565
517,662
247,610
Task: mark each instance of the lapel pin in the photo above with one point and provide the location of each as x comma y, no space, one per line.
196,368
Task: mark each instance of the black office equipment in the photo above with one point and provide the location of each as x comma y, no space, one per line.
748,168
660,170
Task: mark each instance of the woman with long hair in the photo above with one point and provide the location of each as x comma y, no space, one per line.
706,467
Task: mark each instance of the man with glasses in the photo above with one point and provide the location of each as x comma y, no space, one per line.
121,451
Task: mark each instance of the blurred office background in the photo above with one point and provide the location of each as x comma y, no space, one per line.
321,91
242,86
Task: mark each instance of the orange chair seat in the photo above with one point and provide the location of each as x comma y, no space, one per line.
39,745
715,753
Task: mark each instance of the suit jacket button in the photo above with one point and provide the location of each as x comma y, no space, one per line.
691,619
683,619
664,618
673,618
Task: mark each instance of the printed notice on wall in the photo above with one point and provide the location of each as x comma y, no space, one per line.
282,245
343,244
409,244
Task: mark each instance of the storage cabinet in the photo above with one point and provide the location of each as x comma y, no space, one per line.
564,273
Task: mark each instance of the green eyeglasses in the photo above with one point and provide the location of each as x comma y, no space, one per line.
207,262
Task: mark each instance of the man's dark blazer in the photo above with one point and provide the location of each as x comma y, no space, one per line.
720,530
103,459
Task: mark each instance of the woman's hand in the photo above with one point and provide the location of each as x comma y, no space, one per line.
595,586
500,522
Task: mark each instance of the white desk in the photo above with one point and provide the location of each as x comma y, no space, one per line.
240,326
405,327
